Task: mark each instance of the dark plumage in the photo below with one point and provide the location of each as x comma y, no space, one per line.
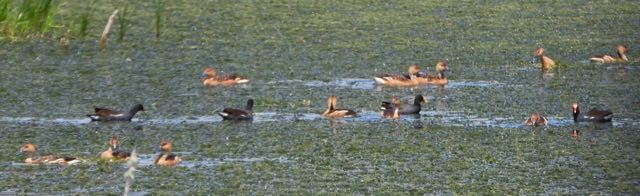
412,108
103,114
238,114
593,115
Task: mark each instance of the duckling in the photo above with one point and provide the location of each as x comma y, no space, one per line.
440,78
536,119
113,152
166,158
333,112
211,79
622,56
238,114
29,150
102,114
593,115
401,80
545,61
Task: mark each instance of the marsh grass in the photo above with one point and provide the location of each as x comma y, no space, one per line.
27,18
84,19
122,22
158,17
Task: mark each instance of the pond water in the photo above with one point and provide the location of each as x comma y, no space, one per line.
469,137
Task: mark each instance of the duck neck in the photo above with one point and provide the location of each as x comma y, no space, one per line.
576,114
417,101
622,56
441,75
132,112
249,106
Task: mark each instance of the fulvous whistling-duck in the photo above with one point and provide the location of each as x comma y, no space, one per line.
399,79
113,152
593,115
102,114
30,150
389,110
440,78
545,61
622,56
333,112
210,78
166,158
238,114
536,119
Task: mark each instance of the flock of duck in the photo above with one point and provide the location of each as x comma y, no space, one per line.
389,109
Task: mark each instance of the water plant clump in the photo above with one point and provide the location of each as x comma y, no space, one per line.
27,18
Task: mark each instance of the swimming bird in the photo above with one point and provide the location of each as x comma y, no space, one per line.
545,61
102,114
166,158
238,114
593,115
114,152
29,150
439,78
622,56
400,79
211,78
536,119
333,112
389,110
412,108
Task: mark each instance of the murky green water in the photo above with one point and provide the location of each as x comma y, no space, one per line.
467,139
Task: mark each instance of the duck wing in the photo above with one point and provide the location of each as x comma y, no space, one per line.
234,114
106,112
599,115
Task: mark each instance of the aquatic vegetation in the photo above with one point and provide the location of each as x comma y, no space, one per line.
158,16
467,139
123,22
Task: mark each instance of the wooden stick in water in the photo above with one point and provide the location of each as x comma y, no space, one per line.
107,29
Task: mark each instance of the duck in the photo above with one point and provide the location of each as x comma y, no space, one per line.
238,114
400,79
439,78
389,110
211,79
29,150
622,56
593,115
333,112
535,120
166,158
113,152
545,61
103,114
395,102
